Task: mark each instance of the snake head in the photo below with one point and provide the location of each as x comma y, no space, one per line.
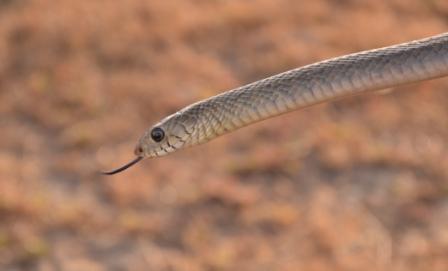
172,133
167,136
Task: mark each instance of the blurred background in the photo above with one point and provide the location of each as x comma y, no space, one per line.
359,184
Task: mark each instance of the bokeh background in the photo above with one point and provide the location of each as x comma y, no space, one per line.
358,184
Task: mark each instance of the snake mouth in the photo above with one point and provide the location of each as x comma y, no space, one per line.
122,168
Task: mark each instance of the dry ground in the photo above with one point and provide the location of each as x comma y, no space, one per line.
360,184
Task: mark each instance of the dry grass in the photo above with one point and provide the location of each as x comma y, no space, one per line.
357,184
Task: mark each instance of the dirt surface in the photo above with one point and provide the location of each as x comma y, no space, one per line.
359,184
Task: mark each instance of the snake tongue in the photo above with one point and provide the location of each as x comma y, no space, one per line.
120,169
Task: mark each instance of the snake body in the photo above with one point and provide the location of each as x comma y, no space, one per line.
295,89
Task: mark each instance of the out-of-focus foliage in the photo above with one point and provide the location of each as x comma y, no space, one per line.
359,184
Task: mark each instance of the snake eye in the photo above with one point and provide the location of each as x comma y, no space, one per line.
157,134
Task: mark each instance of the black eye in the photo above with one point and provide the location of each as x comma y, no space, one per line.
157,134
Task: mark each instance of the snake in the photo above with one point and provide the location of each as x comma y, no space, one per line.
295,89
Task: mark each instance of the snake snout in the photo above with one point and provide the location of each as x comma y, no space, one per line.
138,151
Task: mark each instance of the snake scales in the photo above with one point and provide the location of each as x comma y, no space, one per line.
295,89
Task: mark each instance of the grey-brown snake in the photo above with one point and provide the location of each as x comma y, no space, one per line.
295,89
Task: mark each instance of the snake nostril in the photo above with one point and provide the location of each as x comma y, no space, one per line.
138,151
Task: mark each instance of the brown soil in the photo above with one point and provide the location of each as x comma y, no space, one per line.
360,184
